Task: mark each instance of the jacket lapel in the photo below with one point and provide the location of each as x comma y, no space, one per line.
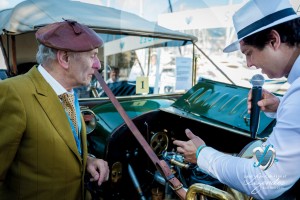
53,108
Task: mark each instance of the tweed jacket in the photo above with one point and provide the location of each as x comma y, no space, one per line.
38,153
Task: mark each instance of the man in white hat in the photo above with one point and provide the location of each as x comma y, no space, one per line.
268,34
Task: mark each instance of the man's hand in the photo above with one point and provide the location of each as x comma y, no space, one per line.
98,169
188,148
269,102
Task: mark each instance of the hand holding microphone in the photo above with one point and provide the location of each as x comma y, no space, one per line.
257,82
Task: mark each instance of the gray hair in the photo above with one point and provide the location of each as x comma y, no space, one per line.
45,54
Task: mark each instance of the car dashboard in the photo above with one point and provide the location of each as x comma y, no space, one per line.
216,112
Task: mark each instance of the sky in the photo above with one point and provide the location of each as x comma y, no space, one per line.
148,9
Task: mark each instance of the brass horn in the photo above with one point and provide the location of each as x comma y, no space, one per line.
229,193
207,191
89,118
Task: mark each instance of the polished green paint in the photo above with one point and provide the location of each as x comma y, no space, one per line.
221,104
218,104
109,119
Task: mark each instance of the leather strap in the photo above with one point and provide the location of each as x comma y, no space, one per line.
161,165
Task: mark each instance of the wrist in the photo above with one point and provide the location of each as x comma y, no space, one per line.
199,149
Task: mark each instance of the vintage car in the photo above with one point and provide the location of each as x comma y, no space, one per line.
159,90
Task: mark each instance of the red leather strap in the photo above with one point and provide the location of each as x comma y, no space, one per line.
161,165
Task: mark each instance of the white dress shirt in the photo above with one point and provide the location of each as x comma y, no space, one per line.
240,173
57,87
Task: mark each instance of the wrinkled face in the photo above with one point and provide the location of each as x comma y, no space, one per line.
82,66
272,61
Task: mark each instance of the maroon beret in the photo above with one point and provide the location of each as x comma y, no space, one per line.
69,36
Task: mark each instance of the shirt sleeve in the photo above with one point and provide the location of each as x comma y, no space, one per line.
241,173
272,114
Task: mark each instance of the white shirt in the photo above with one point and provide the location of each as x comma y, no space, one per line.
240,173
111,81
57,87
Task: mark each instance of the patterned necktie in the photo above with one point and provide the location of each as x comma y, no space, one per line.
68,104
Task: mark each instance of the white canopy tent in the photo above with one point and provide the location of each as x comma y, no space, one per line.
18,24
31,14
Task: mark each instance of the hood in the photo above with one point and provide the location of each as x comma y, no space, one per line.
219,104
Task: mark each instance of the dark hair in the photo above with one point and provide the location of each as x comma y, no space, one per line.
289,33
116,69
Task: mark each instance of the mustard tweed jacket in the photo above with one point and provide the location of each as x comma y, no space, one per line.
38,154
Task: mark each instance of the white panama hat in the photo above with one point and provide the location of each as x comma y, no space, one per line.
258,15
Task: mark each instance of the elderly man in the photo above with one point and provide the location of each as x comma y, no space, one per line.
268,35
43,149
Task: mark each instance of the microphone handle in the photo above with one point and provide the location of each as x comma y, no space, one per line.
255,110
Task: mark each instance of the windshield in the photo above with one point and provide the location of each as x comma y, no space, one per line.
211,63
139,65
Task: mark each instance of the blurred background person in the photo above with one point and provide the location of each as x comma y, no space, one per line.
114,75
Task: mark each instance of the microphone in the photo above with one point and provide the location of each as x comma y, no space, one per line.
257,81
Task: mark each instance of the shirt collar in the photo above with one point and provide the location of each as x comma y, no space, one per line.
295,71
57,87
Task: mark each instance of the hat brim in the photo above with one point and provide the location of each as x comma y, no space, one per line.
236,46
232,47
